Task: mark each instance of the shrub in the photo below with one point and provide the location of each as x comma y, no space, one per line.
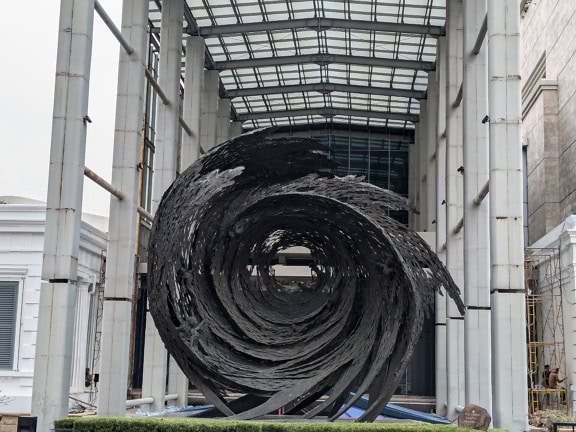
135,424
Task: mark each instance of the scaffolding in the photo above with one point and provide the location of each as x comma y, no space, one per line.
544,327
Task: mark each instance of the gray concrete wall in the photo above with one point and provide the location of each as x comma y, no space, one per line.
549,129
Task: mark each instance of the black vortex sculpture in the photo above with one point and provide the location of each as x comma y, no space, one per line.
232,327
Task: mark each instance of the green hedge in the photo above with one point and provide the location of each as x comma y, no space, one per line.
139,424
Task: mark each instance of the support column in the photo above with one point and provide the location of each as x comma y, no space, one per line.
415,177
423,160
192,108
209,110
454,197
477,326
165,166
235,129
120,277
223,121
411,180
432,131
440,179
52,366
509,368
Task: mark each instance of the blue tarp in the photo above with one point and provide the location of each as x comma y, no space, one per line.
398,412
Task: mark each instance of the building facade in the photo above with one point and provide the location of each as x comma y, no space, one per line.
22,224
548,68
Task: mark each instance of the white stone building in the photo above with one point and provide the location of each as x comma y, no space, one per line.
548,69
22,223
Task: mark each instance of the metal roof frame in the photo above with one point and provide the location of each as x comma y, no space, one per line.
317,24
362,62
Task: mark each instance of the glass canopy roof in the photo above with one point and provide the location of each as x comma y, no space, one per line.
294,62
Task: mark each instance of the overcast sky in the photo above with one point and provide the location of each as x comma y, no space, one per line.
29,33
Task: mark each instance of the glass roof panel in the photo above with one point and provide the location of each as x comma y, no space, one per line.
354,44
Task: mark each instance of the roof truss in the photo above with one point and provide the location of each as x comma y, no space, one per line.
318,24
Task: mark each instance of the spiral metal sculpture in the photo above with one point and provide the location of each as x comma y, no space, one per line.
231,326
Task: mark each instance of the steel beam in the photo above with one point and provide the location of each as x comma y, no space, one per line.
329,112
325,88
481,36
320,24
324,59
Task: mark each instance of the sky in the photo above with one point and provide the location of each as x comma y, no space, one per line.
29,32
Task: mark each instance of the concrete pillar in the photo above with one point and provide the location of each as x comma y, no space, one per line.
440,316
235,129
193,78
432,131
423,160
223,121
454,212
120,277
209,110
52,366
477,326
510,393
165,166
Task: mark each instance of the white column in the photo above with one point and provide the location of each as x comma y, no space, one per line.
209,110
432,131
235,129
423,160
165,166
476,217
193,78
454,197
440,318
223,121
510,393
120,278
51,384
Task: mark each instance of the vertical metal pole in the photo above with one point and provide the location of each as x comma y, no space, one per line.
165,164
120,278
53,358
423,160
454,197
440,315
510,401
432,130
223,121
193,78
477,326
209,110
